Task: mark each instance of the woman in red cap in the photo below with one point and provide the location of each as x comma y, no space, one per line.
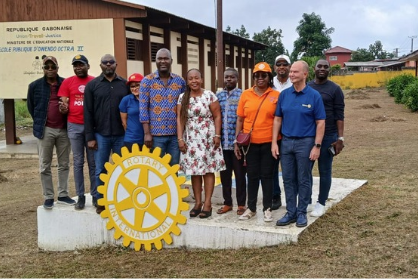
256,109
129,113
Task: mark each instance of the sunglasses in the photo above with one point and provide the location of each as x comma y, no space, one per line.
282,64
262,75
111,62
49,67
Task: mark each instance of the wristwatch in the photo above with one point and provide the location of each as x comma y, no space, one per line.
318,145
341,139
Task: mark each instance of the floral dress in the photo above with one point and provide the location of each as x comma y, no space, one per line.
201,156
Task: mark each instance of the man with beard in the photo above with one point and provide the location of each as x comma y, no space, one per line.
49,127
72,96
333,99
158,97
281,82
102,122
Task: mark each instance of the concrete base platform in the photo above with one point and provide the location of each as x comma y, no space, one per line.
63,228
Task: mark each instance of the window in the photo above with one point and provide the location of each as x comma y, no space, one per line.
154,48
333,58
134,49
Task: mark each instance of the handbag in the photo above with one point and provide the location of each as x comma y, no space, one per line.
244,139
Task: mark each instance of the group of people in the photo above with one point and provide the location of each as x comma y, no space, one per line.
285,116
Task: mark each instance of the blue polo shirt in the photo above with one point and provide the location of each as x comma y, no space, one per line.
299,111
134,131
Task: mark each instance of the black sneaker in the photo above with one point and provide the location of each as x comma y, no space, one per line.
49,203
66,200
94,201
277,202
100,208
80,203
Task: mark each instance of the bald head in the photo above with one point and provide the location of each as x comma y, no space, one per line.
298,73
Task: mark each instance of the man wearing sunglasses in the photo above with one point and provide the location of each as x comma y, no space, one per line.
158,96
281,82
72,96
102,122
49,127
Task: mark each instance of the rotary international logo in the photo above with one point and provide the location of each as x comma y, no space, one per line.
143,198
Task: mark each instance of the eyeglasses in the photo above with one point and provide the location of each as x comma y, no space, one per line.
49,67
111,62
134,86
278,64
262,75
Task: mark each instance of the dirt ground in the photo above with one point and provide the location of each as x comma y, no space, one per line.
371,233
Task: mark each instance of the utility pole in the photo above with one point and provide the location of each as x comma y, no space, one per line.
412,42
219,45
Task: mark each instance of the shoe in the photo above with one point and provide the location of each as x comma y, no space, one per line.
277,202
318,211
248,214
66,200
205,214
49,203
310,208
302,221
267,215
100,208
224,209
94,201
195,212
81,202
240,210
286,220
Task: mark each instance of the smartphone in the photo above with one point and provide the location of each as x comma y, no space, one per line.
331,150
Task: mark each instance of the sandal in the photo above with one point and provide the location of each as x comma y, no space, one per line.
224,209
240,210
205,214
194,212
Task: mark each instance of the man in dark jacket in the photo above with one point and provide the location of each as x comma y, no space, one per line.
49,126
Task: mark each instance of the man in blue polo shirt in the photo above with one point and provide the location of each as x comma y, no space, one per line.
300,115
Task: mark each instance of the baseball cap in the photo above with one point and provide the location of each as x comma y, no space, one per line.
262,67
283,57
50,58
134,78
80,58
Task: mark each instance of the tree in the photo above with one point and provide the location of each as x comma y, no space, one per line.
377,51
361,55
239,32
314,36
273,39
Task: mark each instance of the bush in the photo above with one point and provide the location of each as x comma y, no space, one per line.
21,111
410,96
396,85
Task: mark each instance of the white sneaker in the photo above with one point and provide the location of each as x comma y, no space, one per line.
318,211
267,215
248,214
310,208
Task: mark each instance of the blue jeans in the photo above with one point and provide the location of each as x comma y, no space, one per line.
78,145
325,168
297,173
276,185
168,145
105,145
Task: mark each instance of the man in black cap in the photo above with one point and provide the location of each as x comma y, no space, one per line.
72,96
49,126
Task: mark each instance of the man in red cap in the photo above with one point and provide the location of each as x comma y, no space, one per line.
72,96
49,126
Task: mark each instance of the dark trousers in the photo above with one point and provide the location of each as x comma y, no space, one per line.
260,164
233,164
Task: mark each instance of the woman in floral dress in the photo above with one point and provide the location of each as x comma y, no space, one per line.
199,137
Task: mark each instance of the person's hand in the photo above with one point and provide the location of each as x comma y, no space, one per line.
275,150
217,142
182,146
314,155
92,144
148,140
338,146
237,151
63,107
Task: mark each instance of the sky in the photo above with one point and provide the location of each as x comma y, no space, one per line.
357,23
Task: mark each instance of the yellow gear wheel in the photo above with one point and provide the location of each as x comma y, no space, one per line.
143,198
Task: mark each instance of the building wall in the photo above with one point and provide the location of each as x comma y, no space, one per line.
362,80
341,58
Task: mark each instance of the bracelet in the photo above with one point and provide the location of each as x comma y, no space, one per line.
217,136
180,140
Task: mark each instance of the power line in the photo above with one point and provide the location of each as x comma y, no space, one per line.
412,42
